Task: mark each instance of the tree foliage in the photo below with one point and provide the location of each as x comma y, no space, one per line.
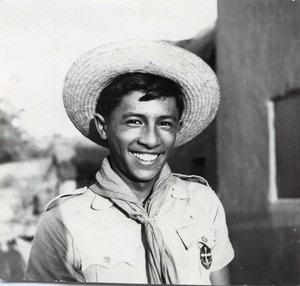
15,143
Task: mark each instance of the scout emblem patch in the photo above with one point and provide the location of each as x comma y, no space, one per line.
205,255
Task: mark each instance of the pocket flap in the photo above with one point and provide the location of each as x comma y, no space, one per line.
191,234
109,254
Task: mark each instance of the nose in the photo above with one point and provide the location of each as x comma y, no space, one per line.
150,137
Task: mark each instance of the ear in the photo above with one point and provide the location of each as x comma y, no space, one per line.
100,125
180,124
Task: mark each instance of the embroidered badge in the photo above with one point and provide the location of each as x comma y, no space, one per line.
205,255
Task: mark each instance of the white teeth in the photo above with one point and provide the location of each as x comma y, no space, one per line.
145,157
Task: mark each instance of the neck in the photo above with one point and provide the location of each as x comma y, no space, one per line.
141,189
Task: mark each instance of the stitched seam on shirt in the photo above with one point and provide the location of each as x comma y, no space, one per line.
73,243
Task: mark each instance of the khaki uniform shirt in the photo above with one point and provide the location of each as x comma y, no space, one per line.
85,238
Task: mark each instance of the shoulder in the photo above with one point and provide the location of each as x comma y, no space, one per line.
198,191
191,178
70,205
60,199
74,209
194,186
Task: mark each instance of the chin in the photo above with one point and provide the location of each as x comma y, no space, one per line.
146,177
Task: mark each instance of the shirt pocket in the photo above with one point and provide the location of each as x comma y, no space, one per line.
198,241
109,261
196,234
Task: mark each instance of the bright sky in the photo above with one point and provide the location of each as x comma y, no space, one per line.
40,39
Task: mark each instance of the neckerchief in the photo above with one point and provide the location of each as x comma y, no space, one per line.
160,263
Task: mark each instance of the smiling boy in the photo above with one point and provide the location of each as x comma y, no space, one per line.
140,131
138,223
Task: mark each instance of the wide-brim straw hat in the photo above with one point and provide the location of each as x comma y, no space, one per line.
97,68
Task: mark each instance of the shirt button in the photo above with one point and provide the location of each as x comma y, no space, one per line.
106,259
204,239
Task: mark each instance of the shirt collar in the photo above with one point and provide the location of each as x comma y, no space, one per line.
179,189
99,203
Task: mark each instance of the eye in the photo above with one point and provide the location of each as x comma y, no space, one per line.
133,122
166,123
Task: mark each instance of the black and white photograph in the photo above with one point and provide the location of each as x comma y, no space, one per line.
150,142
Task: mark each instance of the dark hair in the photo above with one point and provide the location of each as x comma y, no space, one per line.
154,86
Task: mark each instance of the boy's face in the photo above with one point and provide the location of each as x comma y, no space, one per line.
140,136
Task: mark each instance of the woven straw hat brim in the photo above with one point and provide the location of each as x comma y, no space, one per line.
96,69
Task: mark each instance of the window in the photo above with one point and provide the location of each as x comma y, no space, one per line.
287,144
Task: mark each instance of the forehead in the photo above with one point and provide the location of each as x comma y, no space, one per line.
160,106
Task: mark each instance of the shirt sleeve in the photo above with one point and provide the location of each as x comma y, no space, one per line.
52,253
222,252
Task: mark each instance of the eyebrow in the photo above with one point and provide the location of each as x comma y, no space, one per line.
129,114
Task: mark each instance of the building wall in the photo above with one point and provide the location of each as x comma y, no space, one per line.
257,59
197,157
258,44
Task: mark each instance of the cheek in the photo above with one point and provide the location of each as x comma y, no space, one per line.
119,141
169,139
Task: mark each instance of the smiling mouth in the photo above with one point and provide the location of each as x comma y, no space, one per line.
145,157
